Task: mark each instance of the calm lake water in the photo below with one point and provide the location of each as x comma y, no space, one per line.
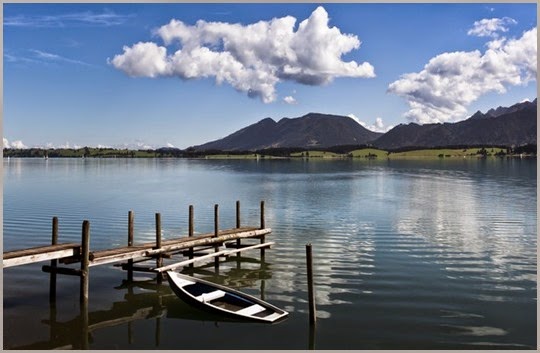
437,254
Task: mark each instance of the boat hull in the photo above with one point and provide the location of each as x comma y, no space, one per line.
223,300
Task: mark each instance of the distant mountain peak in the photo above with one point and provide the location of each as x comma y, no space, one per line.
493,113
515,125
311,130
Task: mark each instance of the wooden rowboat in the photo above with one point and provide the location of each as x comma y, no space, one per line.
223,300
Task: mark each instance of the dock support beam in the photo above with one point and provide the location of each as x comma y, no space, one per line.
85,262
311,292
159,259
263,225
52,282
190,232
216,232
131,230
238,222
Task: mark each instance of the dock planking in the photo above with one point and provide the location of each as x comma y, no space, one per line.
40,253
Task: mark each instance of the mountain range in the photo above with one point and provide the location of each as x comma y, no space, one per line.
504,126
309,131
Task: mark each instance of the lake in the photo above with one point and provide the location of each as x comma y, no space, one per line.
408,254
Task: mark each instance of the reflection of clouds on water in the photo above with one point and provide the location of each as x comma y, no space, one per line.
342,259
469,228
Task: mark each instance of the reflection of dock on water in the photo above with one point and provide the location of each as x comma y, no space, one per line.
145,300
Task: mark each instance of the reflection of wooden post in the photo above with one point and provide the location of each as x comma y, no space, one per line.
130,333
52,282
312,337
263,225
216,233
311,292
131,229
159,259
238,226
158,329
190,232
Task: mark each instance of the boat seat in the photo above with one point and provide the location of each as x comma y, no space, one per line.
250,310
273,316
208,297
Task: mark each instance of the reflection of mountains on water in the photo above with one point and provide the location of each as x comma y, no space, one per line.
145,299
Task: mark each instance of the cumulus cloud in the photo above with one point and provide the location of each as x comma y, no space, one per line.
18,144
290,100
450,82
489,27
251,58
377,126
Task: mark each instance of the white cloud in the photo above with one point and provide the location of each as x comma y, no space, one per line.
170,145
290,100
251,58
489,27
67,145
50,57
105,19
377,126
18,144
450,82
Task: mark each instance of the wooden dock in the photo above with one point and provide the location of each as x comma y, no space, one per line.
191,248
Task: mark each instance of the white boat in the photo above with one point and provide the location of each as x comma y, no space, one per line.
223,300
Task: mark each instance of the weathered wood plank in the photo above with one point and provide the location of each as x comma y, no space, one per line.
38,250
219,253
258,246
67,250
111,258
210,241
45,254
118,251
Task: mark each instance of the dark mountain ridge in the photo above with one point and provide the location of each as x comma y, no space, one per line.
512,126
503,126
309,131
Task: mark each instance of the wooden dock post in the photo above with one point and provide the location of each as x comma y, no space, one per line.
216,232
190,232
238,224
263,225
131,230
85,262
311,292
52,282
159,259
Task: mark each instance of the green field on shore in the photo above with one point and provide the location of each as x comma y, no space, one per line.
362,153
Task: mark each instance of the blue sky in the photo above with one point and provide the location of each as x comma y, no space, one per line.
125,75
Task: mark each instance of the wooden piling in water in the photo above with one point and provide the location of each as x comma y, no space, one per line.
216,232
131,231
190,232
263,225
159,258
311,292
52,281
238,222
85,262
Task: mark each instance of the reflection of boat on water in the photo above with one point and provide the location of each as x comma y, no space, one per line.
144,300
223,300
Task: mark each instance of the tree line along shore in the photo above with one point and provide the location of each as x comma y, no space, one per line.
337,152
